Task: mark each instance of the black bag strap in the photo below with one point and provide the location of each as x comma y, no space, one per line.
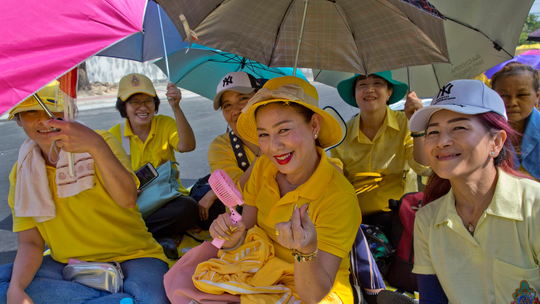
239,152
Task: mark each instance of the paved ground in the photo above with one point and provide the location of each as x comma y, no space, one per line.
98,113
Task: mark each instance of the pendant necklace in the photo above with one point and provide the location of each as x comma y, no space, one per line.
470,227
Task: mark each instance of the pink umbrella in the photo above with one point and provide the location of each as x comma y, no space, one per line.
42,40
531,52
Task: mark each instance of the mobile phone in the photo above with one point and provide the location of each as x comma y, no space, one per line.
146,174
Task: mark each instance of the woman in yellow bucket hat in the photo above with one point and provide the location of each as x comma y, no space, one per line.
294,174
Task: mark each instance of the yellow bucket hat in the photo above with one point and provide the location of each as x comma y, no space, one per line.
133,84
288,89
47,94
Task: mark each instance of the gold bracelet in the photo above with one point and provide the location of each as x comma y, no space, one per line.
300,257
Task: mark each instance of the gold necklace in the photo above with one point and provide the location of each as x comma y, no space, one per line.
471,228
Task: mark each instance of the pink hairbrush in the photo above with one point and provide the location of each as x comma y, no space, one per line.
228,194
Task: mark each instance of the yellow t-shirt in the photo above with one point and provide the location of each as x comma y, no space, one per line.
390,154
221,156
158,148
91,226
489,266
332,206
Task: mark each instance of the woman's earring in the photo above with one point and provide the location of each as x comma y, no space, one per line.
492,153
316,135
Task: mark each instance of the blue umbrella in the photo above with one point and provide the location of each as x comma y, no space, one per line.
149,44
532,60
201,69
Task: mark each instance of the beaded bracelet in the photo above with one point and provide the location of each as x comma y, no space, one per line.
300,257
418,135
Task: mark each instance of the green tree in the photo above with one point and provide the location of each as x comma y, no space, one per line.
531,24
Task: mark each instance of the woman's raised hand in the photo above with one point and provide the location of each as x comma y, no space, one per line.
174,95
299,232
75,137
412,104
223,228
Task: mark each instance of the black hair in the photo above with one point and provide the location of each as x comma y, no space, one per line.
389,85
121,105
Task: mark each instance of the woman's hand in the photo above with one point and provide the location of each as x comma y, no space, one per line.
412,104
223,228
75,137
299,232
174,95
205,203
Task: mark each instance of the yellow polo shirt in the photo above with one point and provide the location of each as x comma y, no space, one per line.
158,148
332,206
221,156
489,267
91,226
390,154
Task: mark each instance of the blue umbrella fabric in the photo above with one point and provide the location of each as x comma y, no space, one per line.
201,69
148,44
532,60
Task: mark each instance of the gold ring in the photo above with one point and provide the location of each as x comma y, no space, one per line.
277,233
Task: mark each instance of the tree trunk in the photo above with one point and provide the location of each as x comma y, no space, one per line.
83,82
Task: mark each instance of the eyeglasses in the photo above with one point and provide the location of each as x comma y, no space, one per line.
137,104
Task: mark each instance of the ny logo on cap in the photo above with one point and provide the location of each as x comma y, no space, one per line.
445,90
227,81
135,81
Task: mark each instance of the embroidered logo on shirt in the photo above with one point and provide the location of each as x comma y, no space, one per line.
525,294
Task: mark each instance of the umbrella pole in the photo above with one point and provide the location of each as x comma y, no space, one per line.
36,96
300,38
409,79
164,46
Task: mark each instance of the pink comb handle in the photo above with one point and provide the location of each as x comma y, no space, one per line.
226,191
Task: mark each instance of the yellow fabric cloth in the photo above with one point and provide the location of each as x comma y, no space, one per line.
158,148
221,156
91,226
390,154
488,267
251,271
332,206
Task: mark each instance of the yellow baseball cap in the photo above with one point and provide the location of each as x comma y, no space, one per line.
133,84
47,94
288,89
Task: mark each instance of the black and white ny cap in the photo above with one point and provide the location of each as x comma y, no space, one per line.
240,82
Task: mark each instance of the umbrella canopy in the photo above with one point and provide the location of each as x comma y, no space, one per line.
148,44
531,52
42,40
534,36
476,42
346,35
201,69
532,60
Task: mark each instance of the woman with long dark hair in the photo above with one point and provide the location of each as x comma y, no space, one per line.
476,238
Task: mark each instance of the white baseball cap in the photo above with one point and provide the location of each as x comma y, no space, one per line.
465,96
240,82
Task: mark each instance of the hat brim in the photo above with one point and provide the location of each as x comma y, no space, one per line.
420,119
125,97
329,135
217,98
52,108
347,92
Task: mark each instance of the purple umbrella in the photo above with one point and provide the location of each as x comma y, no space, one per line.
532,60
534,36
